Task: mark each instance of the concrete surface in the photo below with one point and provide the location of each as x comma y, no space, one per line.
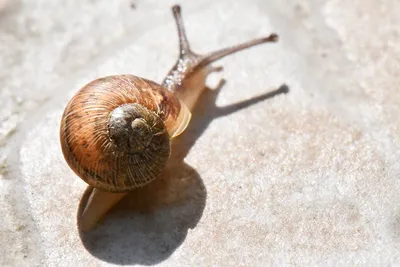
310,178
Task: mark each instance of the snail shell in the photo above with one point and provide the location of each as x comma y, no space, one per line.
115,132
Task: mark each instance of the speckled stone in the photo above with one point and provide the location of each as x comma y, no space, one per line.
308,178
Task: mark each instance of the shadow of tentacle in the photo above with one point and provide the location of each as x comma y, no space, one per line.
150,223
206,111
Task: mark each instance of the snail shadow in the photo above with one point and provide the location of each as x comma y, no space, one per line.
150,223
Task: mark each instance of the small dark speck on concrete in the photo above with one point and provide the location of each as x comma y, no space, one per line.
133,5
3,169
21,227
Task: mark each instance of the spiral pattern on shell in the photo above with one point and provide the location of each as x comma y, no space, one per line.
114,132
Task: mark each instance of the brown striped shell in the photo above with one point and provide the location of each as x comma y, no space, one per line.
115,132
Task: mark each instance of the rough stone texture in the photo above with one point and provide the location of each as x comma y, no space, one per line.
310,178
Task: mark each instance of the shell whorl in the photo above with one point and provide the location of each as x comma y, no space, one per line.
115,132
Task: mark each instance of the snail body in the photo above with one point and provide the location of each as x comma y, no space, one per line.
115,132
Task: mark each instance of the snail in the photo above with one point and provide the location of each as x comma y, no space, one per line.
115,132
